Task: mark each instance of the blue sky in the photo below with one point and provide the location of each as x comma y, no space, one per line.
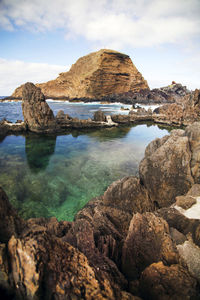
41,38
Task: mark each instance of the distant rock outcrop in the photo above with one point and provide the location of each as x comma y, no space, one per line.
167,94
184,112
95,75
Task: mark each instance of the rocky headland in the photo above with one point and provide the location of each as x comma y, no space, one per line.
93,76
137,241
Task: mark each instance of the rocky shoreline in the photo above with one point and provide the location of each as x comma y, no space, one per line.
38,117
134,242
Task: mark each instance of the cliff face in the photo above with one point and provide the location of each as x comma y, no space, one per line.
95,75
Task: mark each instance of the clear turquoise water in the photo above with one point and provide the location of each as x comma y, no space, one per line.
58,175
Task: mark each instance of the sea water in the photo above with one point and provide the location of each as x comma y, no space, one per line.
12,110
46,176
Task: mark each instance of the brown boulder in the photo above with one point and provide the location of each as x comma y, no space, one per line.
165,170
129,195
95,75
162,282
148,241
38,116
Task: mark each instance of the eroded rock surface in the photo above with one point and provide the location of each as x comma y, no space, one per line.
167,282
93,76
148,241
38,116
165,171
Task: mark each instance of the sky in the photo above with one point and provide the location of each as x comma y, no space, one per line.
41,38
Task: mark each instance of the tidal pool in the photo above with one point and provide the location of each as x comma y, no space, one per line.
46,176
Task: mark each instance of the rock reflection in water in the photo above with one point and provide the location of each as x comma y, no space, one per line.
48,176
39,149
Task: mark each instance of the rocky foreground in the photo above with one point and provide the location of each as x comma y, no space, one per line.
134,242
95,75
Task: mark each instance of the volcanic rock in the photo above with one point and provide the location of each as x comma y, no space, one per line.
167,282
148,241
165,171
95,75
185,111
99,116
38,116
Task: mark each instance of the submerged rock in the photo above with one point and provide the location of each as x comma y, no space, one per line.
10,222
120,244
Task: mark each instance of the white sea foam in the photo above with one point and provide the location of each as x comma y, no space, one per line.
10,101
193,212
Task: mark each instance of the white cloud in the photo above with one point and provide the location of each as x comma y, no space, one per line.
14,73
133,23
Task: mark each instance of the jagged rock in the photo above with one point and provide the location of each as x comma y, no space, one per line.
185,201
191,255
148,241
93,76
99,116
183,224
46,267
165,171
7,127
167,282
10,222
128,194
38,116
193,134
184,112
169,94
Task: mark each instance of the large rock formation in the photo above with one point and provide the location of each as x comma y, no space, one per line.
38,116
95,75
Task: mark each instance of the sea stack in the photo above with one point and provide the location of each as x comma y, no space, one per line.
38,116
95,75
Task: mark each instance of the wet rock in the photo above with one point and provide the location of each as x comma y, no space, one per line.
38,116
7,127
10,222
99,116
148,241
165,170
167,282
